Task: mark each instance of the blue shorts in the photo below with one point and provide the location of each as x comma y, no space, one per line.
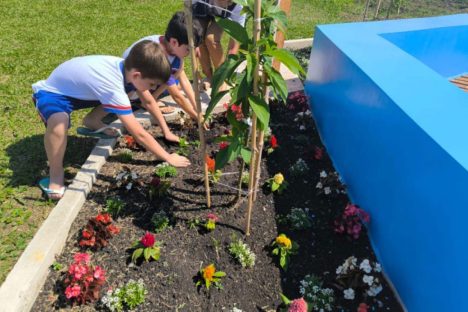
48,103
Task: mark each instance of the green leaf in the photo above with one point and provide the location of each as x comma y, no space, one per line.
219,274
288,59
235,30
213,102
275,251
277,81
155,253
274,186
227,155
260,107
285,299
137,254
246,155
147,254
283,262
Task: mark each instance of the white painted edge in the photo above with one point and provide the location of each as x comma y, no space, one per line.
24,282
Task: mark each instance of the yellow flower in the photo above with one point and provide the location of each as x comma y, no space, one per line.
278,178
208,272
283,241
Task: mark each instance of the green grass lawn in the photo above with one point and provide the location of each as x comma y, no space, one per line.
36,36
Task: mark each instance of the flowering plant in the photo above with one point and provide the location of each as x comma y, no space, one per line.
298,101
321,299
98,231
146,247
127,178
318,153
211,220
242,253
158,187
126,297
330,184
129,142
299,168
353,278
351,221
277,183
298,219
83,281
213,173
284,248
209,276
273,144
296,305
164,170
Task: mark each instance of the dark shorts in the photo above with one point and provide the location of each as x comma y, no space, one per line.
48,103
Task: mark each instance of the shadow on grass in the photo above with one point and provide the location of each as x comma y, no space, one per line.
28,161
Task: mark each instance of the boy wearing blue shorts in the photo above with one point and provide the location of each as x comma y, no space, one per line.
101,82
175,45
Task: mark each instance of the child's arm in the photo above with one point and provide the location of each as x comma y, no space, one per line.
145,139
233,46
150,104
182,101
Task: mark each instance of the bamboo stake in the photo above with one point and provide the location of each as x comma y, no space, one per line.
256,37
201,133
377,9
261,139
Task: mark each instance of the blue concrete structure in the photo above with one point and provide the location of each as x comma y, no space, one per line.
397,132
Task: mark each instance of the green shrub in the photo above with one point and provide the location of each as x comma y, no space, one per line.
160,221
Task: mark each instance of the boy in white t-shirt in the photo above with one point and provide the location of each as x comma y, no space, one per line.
101,82
175,44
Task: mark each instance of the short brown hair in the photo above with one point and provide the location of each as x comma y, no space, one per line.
149,58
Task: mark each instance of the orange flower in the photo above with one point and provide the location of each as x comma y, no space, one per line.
283,241
130,141
208,272
210,162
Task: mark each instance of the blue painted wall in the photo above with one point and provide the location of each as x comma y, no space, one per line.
397,132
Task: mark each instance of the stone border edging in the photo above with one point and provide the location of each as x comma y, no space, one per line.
297,44
24,282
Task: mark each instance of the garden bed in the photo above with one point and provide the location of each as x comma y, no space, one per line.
187,247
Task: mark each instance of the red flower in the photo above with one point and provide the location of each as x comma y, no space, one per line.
104,218
318,152
273,142
223,145
99,273
86,234
81,258
130,141
298,305
72,291
210,162
113,229
148,240
212,216
362,307
237,109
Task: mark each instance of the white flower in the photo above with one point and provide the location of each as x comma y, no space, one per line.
319,185
365,266
323,174
327,190
339,270
374,290
302,128
134,175
349,294
129,186
368,279
377,267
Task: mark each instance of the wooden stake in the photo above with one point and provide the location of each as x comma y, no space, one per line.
201,131
379,2
365,11
284,5
253,142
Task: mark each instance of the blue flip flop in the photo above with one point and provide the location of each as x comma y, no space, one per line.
44,186
99,133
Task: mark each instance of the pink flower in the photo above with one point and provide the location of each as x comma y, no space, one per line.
77,270
99,273
362,307
212,216
223,145
318,152
298,305
72,291
148,240
82,257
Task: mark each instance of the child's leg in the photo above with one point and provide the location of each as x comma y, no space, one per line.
55,143
213,44
93,121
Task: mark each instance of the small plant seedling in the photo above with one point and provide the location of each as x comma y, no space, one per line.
125,156
57,266
165,170
114,206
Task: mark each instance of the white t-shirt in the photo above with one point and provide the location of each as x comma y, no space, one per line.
235,13
91,78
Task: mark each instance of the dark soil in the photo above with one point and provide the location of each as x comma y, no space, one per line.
170,281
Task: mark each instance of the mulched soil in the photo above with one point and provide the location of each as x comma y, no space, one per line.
170,281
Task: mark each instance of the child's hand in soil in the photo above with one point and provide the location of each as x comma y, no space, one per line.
172,137
177,160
